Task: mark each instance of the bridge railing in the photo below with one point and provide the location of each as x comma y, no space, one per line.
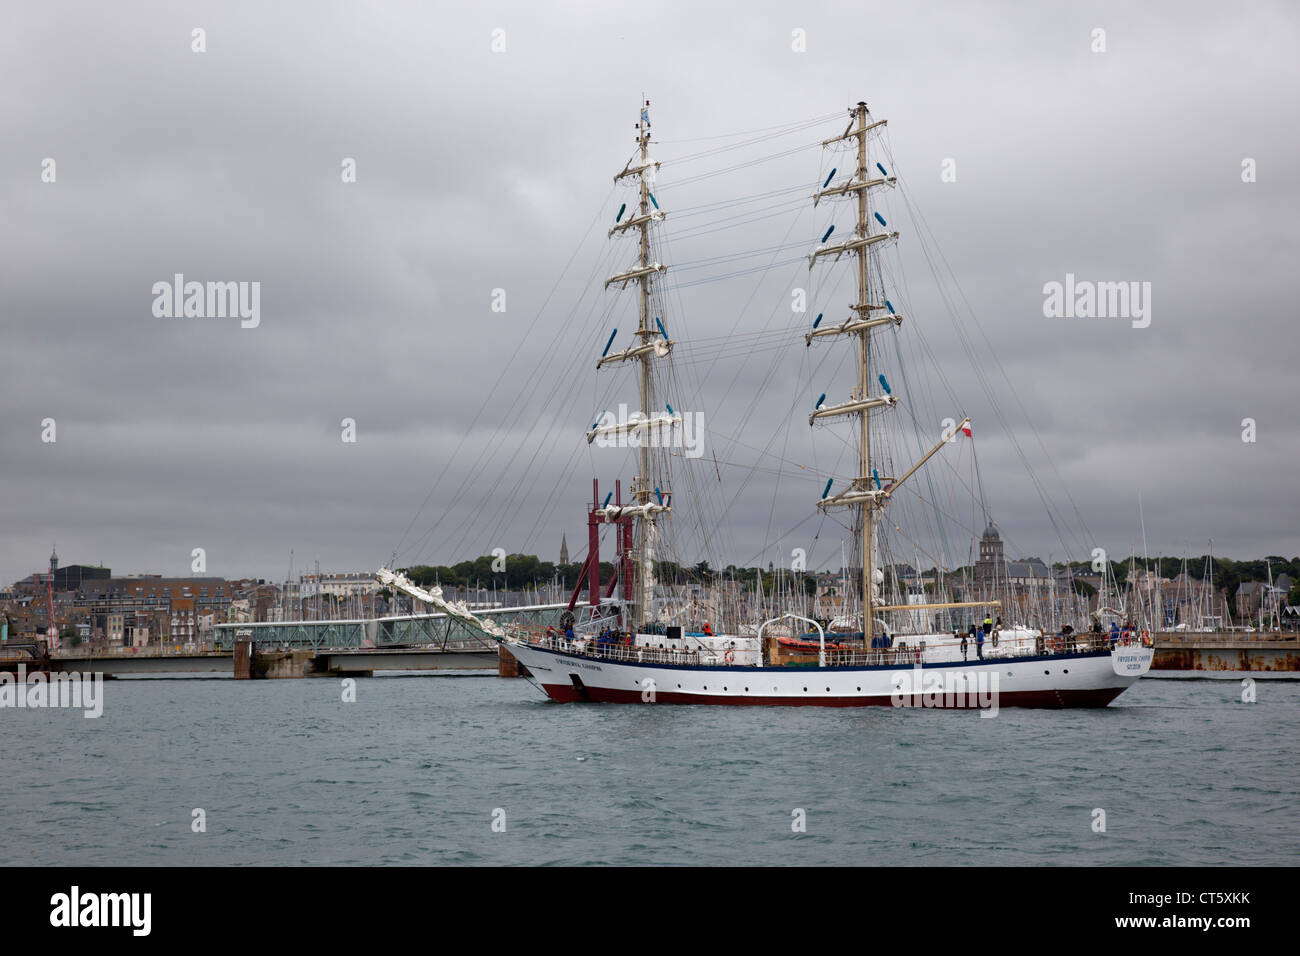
397,631
149,650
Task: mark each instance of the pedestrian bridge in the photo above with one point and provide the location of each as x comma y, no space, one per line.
379,632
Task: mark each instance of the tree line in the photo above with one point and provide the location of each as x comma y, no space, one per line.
527,570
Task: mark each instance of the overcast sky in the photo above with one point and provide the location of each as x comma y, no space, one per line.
480,170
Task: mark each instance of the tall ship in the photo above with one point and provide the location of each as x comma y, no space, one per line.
632,643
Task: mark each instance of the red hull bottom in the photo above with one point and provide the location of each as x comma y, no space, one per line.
568,694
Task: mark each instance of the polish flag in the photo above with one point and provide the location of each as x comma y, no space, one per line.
965,430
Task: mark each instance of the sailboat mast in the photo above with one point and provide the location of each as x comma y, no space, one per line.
641,429
866,493
864,362
641,489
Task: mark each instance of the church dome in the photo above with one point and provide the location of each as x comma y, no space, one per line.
991,532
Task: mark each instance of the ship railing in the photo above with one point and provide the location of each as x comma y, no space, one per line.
640,654
904,655
629,653
899,655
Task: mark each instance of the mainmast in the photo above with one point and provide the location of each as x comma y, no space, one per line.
651,342
866,493
641,483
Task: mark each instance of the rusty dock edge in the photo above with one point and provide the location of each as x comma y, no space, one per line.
1226,655
252,663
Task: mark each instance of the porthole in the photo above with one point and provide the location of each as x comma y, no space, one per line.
1066,671
746,690
724,689
679,686
805,690
1047,672
706,686
859,690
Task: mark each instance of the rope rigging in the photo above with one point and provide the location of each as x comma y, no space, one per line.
530,417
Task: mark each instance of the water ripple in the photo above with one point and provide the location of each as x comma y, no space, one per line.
432,769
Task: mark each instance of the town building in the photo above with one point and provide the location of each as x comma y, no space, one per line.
149,609
991,565
338,584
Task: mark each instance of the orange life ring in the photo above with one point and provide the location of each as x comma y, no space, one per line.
729,657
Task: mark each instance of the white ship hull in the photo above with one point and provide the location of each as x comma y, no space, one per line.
1089,679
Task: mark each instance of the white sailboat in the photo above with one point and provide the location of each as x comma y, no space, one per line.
628,649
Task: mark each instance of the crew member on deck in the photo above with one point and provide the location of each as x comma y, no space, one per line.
708,630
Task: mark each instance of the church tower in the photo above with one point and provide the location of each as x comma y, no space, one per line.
991,567
564,549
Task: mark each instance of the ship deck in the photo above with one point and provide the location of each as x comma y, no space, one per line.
882,659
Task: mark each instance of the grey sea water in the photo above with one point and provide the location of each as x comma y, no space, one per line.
416,771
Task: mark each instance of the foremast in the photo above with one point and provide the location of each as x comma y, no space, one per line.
651,343
866,494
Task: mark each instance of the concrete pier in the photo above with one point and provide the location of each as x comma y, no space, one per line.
279,664
250,661
1226,654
